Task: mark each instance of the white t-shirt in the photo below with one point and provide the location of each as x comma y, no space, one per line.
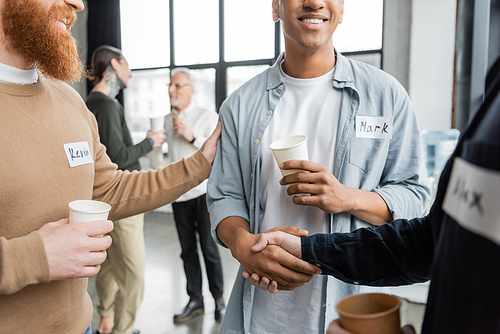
309,107
16,76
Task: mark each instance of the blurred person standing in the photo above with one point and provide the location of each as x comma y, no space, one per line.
187,127
120,283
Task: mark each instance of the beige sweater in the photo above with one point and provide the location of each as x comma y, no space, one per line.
36,185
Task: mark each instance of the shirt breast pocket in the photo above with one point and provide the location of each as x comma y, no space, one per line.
364,152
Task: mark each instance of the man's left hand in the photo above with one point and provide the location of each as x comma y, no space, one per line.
184,130
329,195
325,191
209,147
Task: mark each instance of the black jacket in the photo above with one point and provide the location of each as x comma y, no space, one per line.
464,267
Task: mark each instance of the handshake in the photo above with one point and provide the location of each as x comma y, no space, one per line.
274,260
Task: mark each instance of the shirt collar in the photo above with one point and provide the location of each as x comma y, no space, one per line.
342,76
16,76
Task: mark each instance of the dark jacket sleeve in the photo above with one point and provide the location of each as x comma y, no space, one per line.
111,133
399,253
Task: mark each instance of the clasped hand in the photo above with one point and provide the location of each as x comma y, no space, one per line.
283,245
285,270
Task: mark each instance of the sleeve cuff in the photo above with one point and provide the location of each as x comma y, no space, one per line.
25,263
151,141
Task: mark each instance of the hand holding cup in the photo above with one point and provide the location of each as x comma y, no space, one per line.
290,148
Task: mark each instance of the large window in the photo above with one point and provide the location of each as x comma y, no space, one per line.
225,42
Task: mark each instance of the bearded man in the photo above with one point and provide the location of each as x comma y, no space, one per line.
44,260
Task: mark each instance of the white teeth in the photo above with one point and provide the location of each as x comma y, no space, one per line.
313,21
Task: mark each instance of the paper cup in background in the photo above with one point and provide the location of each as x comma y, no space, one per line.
82,211
176,120
157,123
370,313
290,148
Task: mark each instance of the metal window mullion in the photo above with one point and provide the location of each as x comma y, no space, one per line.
277,40
171,33
221,67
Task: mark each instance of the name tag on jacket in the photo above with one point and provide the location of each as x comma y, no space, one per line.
471,199
374,127
78,154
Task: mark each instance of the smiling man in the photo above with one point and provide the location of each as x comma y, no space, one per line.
44,260
353,179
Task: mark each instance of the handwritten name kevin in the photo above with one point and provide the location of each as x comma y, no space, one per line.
78,154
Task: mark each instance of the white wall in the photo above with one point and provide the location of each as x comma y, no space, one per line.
432,61
397,33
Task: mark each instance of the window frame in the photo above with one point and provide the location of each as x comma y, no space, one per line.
222,65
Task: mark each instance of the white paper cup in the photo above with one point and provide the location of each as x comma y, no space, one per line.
290,148
157,123
83,211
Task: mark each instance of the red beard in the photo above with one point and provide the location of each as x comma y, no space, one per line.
37,36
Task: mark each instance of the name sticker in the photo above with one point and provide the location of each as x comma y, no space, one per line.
471,199
373,127
78,154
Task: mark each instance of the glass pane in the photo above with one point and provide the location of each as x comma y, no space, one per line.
237,76
196,31
361,28
373,59
141,47
248,36
204,88
146,97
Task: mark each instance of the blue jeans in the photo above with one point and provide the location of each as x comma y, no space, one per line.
89,330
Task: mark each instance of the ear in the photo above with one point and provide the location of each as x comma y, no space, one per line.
276,16
115,63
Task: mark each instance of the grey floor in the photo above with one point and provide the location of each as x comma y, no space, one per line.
165,292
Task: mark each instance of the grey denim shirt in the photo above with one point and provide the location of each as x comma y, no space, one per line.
393,167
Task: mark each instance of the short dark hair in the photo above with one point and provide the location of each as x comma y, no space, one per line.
101,59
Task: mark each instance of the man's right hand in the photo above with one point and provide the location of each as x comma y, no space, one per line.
75,250
273,262
287,238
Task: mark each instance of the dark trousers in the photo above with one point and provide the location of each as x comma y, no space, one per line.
191,217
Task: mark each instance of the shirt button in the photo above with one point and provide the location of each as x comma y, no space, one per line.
257,141
349,79
270,112
251,175
355,282
280,87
